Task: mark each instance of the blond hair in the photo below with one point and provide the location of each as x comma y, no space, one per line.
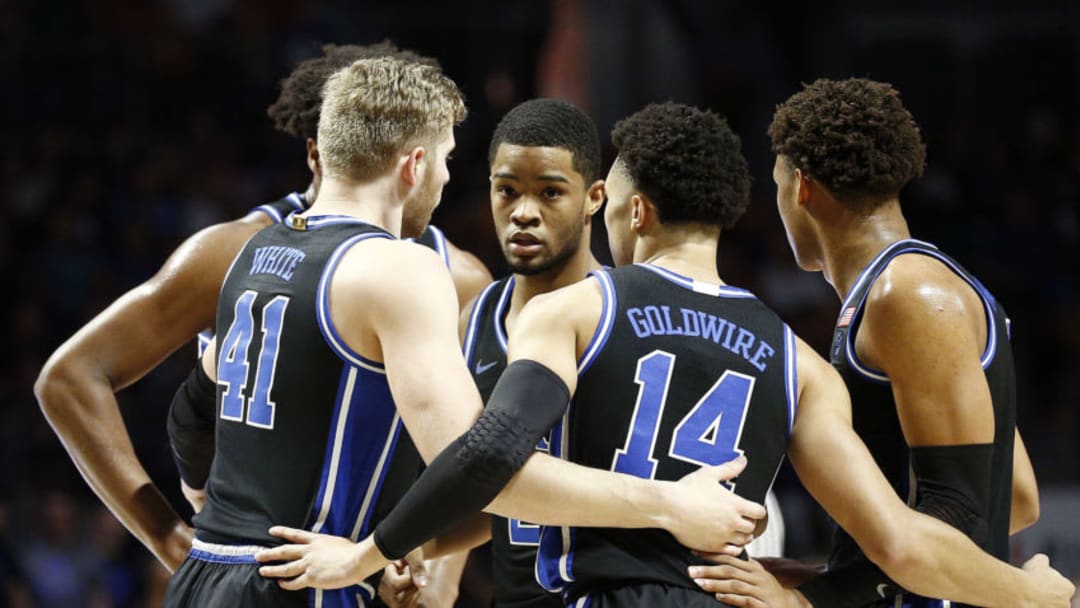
375,109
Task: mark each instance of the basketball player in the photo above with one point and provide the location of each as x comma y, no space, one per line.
296,112
76,386
545,187
308,420
710,371
923,347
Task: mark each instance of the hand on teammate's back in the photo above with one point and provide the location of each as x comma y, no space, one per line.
709,517
319,561
744,583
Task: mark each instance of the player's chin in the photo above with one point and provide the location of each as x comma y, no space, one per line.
527,265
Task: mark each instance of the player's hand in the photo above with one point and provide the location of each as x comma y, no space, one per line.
790,572
742,583
396,589
706,516
1048,587
175,546
196,498
320,561
404,582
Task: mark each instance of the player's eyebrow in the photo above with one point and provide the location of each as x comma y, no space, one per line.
545,177
553,178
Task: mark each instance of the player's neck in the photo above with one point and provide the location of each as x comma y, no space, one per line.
375,202
528,285
688,251
849,246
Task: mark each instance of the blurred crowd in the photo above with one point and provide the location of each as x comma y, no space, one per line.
129,125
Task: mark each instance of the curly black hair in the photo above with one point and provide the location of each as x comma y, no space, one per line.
853,136
687,161
296,110
551,123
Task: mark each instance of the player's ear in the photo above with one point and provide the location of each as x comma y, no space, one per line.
594,198
804,186
313,157
413,166
639,212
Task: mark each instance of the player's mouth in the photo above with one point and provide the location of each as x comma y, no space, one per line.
524,244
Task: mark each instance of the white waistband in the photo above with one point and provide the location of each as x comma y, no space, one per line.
225,550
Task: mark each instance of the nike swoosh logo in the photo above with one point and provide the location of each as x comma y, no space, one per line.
881,589
483,367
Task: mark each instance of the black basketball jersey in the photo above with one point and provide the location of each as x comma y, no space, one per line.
308,430
276,210
679,374
513,542
876,421
434,238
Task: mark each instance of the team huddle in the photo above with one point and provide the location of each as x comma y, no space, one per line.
371,405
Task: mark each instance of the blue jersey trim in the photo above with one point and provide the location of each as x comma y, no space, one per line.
440,244
205,339
791,375
273,213
362,526
328,477
878,265
474,322
206,556
362,437
297,200
223,554
326,324
294,198
500,310
610,305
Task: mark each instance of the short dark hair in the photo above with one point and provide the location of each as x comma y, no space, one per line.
296,110
551,123
687,161
853,136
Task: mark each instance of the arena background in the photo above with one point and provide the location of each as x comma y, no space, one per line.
129,125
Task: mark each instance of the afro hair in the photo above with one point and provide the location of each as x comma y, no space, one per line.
687,161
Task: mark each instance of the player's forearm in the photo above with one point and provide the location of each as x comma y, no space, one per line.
444,576
934,559
86,417
555,492
472,533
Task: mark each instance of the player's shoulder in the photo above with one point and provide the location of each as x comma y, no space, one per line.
213,245
470,274
919,287
386,266
580,304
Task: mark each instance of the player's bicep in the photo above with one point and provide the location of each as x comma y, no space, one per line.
920,333
152,320
415,325
831,460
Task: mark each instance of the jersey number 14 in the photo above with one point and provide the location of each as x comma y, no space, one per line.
707,435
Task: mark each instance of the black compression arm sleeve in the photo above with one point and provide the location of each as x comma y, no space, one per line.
953,485
191,427
527,401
